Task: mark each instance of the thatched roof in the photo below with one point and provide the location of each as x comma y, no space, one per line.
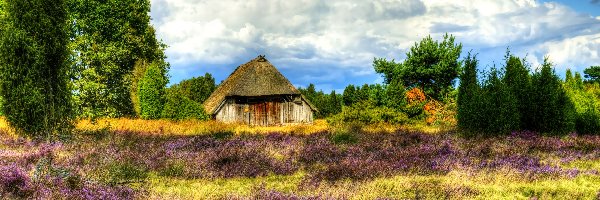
253,79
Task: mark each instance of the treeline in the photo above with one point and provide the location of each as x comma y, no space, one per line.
419,88
515,98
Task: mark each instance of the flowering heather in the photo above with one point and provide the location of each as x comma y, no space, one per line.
107,164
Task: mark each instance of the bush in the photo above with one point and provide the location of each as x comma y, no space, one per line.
588,122
14,182
178,107
365,112
348,134
34,84
152,91
499,111
552,110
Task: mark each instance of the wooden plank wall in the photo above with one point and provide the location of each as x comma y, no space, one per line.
267,113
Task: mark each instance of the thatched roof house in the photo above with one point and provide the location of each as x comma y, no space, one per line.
258,94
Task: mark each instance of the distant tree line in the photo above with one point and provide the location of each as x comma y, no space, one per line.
515,98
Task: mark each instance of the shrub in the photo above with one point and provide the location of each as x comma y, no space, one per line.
34,84
174,169
178,107
552,110
588,122
365,112
152,91
499,111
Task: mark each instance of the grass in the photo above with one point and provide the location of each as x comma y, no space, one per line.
490,185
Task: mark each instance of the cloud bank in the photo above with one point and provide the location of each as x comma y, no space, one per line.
332,43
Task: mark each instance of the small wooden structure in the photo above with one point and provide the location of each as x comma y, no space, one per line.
258,94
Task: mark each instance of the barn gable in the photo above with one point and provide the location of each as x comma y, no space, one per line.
251,83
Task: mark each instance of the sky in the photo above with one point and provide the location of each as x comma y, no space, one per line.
333,43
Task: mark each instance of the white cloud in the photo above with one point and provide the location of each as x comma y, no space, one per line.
347,35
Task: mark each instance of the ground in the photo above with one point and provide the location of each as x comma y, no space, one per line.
141,159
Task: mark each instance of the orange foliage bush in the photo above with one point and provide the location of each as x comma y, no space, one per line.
415,95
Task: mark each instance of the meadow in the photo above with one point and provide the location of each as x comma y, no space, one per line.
160,159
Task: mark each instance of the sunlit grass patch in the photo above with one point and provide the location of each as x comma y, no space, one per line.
194,127
584,164
172,188
454,185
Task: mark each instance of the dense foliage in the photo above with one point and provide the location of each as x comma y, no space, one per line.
197,89
179,107
430,65
592,73
586,101
152,92
515,100
33,67
326,104
108,39
468,105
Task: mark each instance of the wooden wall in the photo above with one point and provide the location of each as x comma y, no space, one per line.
265,112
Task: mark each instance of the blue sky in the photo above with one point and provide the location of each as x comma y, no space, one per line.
332,43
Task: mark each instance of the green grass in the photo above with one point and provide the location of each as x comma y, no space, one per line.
174,188
454,185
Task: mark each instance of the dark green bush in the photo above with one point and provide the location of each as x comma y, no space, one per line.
499,111
551,109
34,84
588,122
178,107
151,92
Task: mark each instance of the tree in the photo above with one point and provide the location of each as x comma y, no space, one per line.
518,81
430,65
552,111
33,67
349,96
499,110
394,93
197,89
592,73
108,38
152,91
468,95
335,105
178,107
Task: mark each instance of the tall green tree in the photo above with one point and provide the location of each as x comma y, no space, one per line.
108,38
349,96
552,110
469,95
152,92
334,103
34,65
518,81
431,65
499,110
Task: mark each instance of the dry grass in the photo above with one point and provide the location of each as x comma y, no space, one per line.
194,127
197,127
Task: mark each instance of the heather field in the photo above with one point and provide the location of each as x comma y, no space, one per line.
122,159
